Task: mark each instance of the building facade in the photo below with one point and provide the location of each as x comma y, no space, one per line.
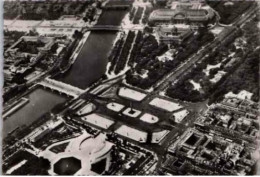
188,13
176,33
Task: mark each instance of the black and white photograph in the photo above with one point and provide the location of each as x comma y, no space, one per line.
130,87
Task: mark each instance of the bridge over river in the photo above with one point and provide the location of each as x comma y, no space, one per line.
103,28
113,28
61,87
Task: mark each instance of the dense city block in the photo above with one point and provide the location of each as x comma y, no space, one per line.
134,87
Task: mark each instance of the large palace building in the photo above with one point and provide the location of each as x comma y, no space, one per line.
182,12
177,33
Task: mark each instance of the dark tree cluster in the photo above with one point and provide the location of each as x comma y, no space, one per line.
184,90
120,53
77,34
246,75
29,46
119,2
122,61
146,49
10,37
138,15
159,4
147,12
90,14
244,65
244,78
33,166
114,55
144,55
230,10
136,48
58,134
193,44
11,9
132,13
28,10
19,156
66,54
59,148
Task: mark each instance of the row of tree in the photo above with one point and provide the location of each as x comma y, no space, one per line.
115,53
120,53
66,54
122,61
136,48
132,13
138,15
147,12
229,11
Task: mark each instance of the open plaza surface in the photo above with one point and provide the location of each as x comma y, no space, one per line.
132,133
157,137
115,106
180,115
131,94
137,87
98,120
165,104
149,118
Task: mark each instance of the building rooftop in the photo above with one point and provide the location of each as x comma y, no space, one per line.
211,150
173,31
41,43
184,12
86,149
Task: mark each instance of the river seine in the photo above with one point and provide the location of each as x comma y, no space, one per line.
90,65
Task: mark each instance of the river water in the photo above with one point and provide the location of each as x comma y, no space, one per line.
91,62
41,101
111,17
90,65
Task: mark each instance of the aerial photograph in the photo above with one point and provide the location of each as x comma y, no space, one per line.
131,87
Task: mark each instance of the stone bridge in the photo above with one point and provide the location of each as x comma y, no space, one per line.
61,87
104,28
